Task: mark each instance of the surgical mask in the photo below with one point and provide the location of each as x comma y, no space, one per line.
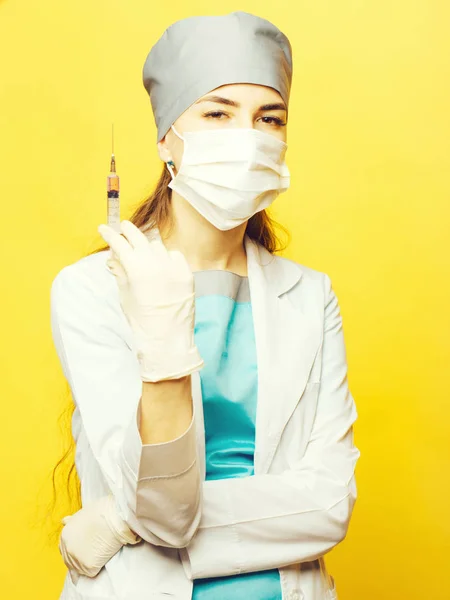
228,175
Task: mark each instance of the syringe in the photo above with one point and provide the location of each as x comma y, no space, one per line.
112,187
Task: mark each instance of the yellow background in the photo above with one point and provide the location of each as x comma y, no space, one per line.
369,138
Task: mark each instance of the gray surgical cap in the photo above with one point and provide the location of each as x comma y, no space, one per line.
199,54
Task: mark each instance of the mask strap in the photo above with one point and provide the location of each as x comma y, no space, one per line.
170,163
176,133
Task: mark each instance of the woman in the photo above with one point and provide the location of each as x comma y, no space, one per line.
213,421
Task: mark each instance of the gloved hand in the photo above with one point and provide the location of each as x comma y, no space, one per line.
92,536
157,295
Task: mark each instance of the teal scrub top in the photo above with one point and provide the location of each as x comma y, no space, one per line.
225,338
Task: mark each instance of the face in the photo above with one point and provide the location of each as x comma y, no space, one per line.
237,105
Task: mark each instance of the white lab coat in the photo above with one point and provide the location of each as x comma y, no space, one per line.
294,509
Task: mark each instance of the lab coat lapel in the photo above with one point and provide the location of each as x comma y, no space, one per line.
287,341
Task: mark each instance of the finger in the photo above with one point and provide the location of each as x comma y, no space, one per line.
65,556
93,572
158,249
141,240
63,552
134,235
72,563
74,576
69,560
118,244
75,565
112,255
116,268
179,259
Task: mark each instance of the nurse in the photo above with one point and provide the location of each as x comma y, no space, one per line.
213,420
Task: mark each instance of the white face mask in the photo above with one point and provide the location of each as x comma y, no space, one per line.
228,175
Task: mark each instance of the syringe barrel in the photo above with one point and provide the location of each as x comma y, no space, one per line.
112,182
113,202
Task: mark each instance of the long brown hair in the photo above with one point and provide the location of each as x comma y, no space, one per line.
154,211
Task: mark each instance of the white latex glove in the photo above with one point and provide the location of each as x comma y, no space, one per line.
157,295
92,536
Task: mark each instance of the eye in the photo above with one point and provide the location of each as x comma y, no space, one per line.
215,114
274,121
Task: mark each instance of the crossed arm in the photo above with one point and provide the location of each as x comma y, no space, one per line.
222,527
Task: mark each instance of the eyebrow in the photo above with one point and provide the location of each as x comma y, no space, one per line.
228,102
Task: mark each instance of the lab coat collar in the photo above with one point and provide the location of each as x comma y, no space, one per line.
280,275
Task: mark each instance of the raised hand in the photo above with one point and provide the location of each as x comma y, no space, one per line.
157,295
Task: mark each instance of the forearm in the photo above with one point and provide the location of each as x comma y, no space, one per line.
160,491
166,410
300,515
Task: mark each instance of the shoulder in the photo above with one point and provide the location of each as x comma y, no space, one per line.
308,273
85,303
307,288
292,276
86,277
284,269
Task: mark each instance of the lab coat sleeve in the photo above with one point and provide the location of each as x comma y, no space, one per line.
157,487
273,520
